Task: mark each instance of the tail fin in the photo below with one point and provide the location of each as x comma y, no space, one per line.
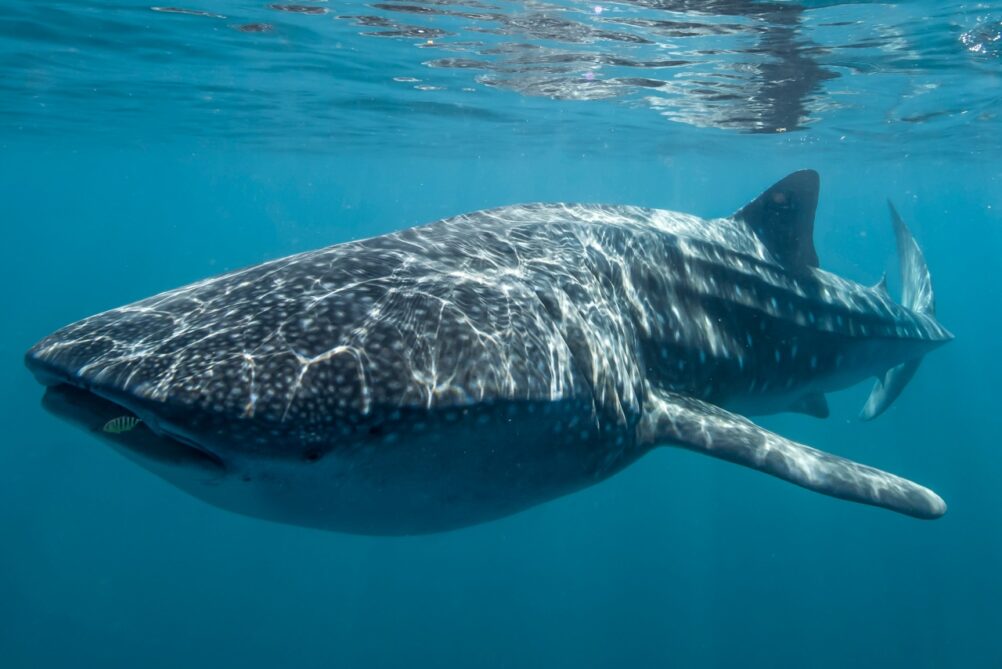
917,295
916,284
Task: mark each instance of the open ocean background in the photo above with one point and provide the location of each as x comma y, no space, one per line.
143,147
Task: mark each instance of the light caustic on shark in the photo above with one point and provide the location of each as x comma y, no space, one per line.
461,371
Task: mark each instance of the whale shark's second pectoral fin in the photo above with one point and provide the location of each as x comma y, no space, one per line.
812,405
677,420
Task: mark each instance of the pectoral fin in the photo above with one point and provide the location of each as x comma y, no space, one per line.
812,405
676,420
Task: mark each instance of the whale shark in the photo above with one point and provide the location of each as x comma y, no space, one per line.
461,371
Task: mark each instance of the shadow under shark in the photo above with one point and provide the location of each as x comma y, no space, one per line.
461,371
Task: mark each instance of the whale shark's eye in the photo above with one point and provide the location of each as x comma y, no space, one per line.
312,456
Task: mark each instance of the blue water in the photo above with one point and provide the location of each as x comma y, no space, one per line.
141,149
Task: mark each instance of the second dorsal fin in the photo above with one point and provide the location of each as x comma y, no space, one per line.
881,286
783,219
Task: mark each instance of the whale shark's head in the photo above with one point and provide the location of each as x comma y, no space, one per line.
178,397
240,465
391,469
191,430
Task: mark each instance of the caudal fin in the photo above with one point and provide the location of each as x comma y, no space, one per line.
917,295
916,284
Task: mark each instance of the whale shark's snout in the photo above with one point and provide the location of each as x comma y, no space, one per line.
94,414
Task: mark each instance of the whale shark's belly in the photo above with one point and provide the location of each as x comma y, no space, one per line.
439,472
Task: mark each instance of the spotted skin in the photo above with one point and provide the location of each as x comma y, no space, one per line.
460,371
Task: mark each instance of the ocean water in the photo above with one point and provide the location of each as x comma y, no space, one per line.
143,147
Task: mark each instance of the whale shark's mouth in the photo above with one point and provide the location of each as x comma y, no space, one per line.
107,419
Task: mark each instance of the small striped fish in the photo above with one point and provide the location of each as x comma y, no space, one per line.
121,424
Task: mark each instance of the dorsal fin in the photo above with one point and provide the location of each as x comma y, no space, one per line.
783,218
881,286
